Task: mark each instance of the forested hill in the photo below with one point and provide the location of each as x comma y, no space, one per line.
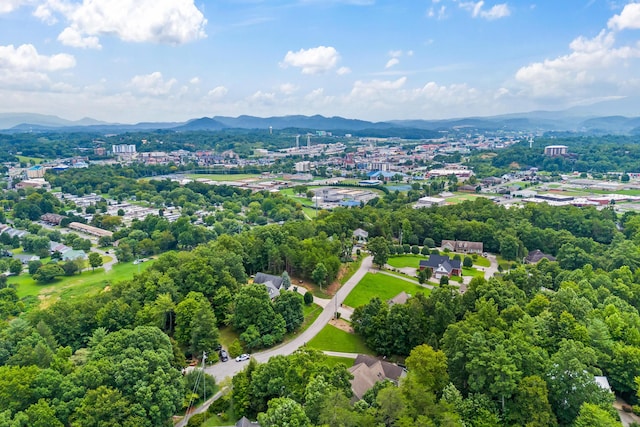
586,154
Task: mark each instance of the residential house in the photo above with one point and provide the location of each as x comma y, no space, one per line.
536,256
462,246
367,371
273,283
442,265
360,236
51,218
26,258
401,298
244,422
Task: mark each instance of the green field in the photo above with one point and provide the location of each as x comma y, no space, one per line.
405,261
331,338
481,261
87,283
382,286
223,177
26,159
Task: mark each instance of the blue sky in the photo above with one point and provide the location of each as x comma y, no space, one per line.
171,60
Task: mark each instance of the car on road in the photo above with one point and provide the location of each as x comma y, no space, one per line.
223,355
243,357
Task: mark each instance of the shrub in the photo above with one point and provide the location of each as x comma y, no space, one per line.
308,298
235,349
415,249
197,420
468,262
358,252
429,242
444,280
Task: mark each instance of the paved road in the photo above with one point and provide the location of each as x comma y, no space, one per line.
222,370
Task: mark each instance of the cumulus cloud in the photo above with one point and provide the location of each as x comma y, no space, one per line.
195,80
170,22
218,92
7,6
26,58
288,88
495,12
591,61
342,71
375,87
152,84
312,61
392,62
629,18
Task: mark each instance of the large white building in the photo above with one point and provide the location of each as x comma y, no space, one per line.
555,150
302,167
123,149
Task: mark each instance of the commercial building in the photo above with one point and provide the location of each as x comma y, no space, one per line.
555,150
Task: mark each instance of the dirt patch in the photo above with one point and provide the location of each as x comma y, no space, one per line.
342,324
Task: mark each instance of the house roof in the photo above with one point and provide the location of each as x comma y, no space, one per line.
264,278
536,256
401,298
244,422
368,370
436,261
359,232
463,245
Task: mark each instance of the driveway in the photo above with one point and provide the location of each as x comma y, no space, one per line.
222,370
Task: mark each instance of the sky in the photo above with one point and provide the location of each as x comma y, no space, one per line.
172,60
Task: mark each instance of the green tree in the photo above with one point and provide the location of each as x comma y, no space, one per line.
47,273
379,248
95,260
196,324
428,368
105,406
286,280
593,415
468,262
15,267
284,412
319,274
530,405
33,266
290,306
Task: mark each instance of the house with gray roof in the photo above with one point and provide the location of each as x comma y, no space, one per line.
273,283
367,371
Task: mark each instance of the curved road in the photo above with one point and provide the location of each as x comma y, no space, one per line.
228,369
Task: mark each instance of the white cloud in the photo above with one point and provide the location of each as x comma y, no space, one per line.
288,88
195,80
438,13
312,61
72,37
261,97
26,58
218,92
152,84
629,18
170,22
7,6
395,53
343,71
392,62
375,88
495,12
592,62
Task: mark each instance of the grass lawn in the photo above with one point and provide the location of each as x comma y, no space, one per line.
481,261
311,313
382,286
227,336
335,360
472,272
331,338
405,261
223,177
89,282
27,159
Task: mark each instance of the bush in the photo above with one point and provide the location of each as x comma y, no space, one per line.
425,250
406,248
197,420
435,252
457,257
468,262
308,298
444,280
358,252
235,349
429,242
415,249
219,405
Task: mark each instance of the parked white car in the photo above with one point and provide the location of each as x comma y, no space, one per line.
243,357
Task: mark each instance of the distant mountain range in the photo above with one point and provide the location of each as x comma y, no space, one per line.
590,120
